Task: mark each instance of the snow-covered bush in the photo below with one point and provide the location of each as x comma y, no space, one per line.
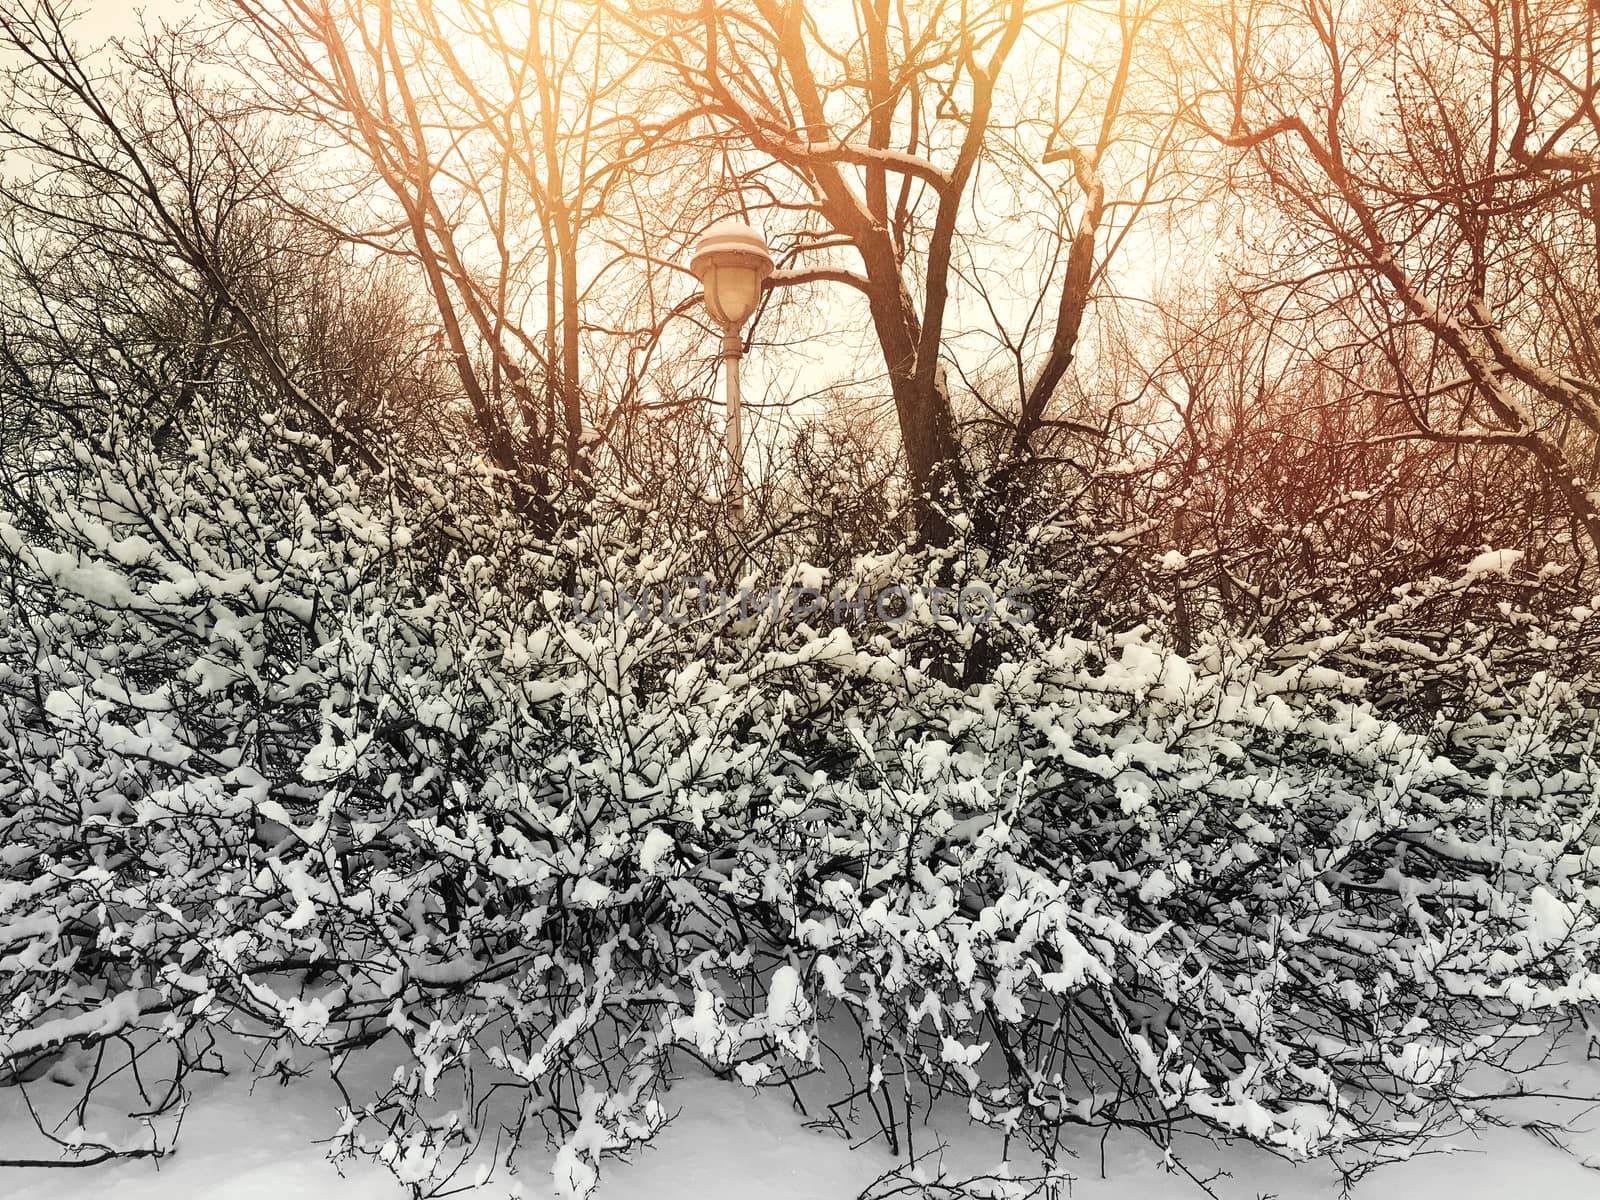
337,765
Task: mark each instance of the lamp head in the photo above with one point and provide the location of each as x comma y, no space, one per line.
731,260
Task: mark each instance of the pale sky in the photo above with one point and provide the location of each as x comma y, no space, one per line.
111,18
844,345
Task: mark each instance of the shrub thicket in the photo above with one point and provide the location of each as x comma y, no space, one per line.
334,766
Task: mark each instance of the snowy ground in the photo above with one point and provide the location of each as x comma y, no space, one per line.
729,1143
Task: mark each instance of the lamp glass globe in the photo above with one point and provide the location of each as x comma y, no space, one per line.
733,289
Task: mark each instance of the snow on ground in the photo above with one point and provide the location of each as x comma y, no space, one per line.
729,1143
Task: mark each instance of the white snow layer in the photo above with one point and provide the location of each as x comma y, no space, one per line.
257,1143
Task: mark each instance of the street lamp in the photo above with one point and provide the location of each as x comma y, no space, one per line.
731,261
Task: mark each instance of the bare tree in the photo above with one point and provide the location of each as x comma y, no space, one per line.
866,130
1436,169
1275,469
493,152
149,261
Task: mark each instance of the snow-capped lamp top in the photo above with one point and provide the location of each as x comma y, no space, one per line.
731,260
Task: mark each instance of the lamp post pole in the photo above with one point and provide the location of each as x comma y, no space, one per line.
731,260
732,352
